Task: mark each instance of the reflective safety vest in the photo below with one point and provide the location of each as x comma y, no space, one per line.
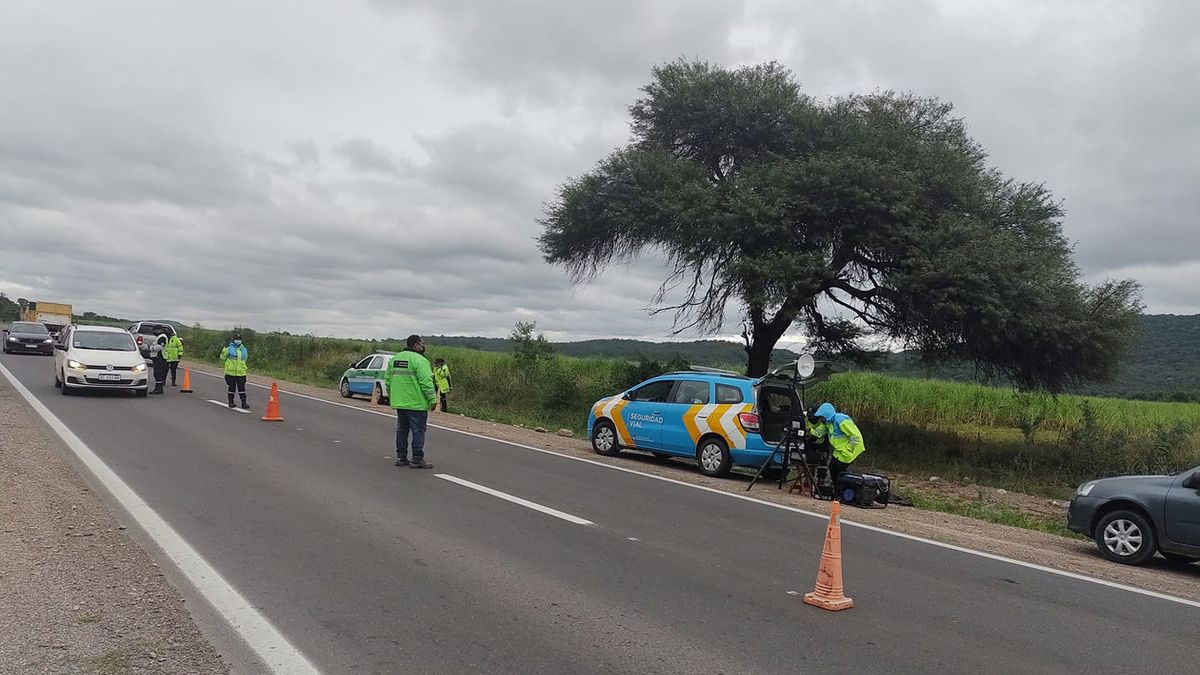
843,435
235,357
174,349
410,381
441,379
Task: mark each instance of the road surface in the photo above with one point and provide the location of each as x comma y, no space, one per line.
504,559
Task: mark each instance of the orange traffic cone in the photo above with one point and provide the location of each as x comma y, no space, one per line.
272,414
187,381
829,593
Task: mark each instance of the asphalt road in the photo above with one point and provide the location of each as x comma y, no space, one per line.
370,568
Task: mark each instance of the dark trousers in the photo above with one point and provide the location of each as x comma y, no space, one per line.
442,404
236,383
836,469
174,367
411,422
160,370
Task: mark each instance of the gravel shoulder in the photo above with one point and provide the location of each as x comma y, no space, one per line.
1057,552
77,593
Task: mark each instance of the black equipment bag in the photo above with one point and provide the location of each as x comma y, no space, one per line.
866,491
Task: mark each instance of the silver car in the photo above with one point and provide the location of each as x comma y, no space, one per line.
98,357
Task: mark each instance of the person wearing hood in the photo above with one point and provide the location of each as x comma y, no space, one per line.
158,360
843,435
234,356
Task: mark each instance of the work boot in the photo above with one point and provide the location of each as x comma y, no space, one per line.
158,388
245,406
400,461
231,405
419,464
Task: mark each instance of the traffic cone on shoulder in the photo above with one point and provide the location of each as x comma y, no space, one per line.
187,381
829,593
272,414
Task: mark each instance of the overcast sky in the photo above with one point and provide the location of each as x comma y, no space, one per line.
375,168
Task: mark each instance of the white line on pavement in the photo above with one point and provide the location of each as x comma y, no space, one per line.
269,644
226,405
811,514
516,500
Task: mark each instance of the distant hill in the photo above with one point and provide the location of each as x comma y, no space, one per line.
1163,364
696,352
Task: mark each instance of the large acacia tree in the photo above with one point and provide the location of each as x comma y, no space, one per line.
860,217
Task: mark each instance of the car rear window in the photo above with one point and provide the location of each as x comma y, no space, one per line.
28,327
728,394
691,392
655,392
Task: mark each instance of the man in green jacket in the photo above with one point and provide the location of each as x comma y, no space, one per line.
234,356
172,353
411,393
842,434
441,382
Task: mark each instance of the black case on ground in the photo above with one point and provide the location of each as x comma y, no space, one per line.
866,491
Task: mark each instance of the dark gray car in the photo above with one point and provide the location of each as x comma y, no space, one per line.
1131,517
29,337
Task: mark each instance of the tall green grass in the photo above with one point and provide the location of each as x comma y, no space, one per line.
994,436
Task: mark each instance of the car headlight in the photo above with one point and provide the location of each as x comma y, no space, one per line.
1085,489
12,339
139,368
48,340
75,365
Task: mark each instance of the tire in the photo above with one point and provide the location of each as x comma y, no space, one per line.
604,439
713,457
57,382
378,393
1125,537
344,388
66,389
141,393
1176,559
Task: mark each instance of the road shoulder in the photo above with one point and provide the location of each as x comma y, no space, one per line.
77,593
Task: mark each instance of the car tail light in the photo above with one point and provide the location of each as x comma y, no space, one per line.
139,339
749,421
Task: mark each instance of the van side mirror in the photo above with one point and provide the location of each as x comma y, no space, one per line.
628,396
60,346
1192,481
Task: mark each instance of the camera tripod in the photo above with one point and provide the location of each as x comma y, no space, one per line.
791,451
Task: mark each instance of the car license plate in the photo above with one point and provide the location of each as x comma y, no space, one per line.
110,377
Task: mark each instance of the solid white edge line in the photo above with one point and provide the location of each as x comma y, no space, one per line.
813,514
279,655
515,500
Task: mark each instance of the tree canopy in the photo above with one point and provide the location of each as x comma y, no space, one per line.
863,216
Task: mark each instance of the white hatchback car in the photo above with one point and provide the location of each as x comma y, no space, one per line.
98,357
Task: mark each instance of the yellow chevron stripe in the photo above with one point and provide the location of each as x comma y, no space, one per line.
619,422
691,423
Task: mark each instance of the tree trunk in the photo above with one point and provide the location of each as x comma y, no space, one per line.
759,357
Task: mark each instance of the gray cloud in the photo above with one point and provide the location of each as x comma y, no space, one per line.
377,169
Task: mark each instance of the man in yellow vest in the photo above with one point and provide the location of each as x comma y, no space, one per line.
441,382
172,353
843,435
234,356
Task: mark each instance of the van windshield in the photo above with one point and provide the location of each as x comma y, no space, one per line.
94,339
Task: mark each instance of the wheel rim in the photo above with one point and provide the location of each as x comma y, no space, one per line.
345,388
1123,537
711,457
604,438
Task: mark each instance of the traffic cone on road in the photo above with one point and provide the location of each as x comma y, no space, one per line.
187,381
272,414
829,593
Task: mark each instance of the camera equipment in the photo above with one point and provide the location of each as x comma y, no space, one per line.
792,450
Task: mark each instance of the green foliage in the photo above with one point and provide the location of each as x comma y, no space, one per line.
880,206
9,310
527,349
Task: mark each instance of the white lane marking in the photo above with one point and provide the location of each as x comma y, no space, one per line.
226,405
633,539
516,500
268,643
783,507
